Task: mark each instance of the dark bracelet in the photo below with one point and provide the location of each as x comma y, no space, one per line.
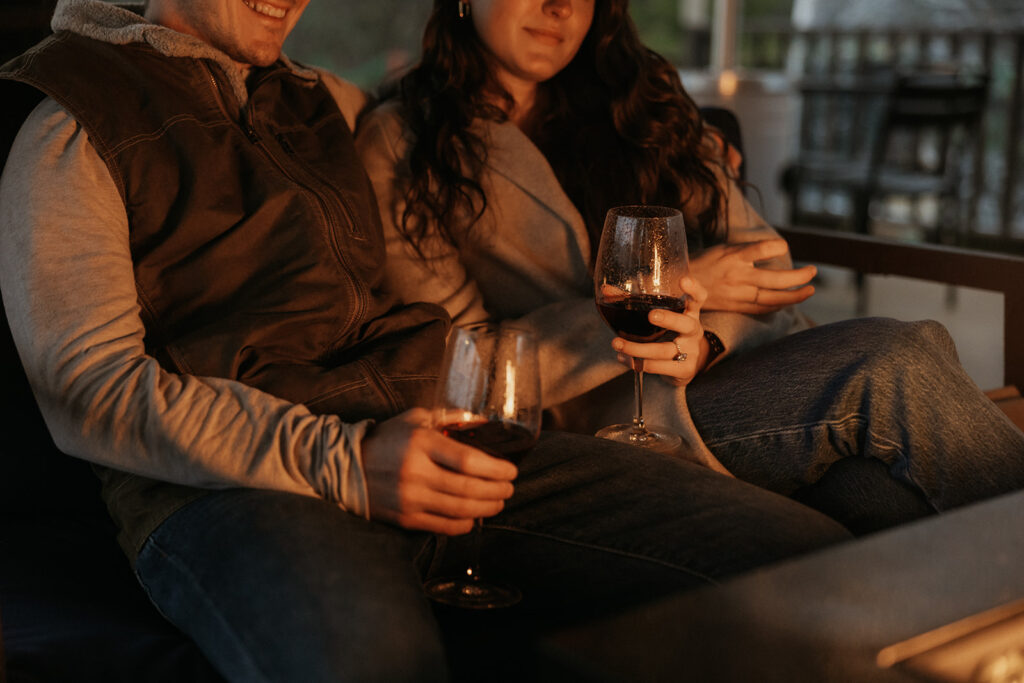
717,347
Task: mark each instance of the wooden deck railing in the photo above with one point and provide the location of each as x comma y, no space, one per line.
949,265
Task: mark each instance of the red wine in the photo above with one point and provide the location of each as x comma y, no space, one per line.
628,316
500,439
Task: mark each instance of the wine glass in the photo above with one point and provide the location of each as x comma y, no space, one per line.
640,261
488,397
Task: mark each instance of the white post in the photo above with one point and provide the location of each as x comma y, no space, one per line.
725,34
725,30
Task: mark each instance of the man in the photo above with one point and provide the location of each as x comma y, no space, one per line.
190,259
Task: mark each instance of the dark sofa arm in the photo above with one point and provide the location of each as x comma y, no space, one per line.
3,661
950,265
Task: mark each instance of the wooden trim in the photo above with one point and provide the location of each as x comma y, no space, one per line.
950,265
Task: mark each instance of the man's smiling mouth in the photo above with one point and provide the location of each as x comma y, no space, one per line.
265,9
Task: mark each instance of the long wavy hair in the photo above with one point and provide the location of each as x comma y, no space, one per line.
618,129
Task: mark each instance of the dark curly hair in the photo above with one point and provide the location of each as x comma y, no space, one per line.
618,129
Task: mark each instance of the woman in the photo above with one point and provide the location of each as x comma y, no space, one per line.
521,248
494,163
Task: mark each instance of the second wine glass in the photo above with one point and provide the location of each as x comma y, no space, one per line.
488,397
641,260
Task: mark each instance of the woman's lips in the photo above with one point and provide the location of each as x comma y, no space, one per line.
546,36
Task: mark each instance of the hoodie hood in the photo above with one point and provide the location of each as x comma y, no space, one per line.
124,24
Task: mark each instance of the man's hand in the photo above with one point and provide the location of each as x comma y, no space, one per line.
735,283
417,478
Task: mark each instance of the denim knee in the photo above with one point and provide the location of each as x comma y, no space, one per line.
902,352
935,335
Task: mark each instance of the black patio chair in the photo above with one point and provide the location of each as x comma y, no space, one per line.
868,138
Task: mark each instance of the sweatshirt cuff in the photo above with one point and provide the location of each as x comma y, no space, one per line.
349,488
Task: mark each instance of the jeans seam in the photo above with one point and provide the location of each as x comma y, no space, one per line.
871,436
883,443
831,424
175,561
616,551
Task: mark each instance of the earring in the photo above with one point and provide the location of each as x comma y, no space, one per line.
463,9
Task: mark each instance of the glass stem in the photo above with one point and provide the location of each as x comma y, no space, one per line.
473,571
638,392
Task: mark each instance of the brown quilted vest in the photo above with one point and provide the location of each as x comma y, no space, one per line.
255,235
256,244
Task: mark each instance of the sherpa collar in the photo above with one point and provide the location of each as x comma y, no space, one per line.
124,24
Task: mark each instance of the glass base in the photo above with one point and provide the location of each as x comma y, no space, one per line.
652,438
472,593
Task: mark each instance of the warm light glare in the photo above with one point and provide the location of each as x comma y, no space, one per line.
656,275
510,389
727,83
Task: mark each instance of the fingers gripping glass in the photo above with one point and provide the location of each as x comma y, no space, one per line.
488,397
640,263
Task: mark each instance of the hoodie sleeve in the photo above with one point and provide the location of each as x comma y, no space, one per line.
69,290
740,332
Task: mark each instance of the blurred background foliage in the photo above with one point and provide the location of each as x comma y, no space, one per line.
366,40
361,40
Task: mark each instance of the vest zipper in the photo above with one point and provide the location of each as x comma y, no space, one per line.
346,208
362,294
249,130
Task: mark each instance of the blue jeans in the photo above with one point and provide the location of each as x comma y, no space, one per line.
278,587
875,388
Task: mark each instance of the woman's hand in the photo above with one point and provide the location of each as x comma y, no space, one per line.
735,283
686,353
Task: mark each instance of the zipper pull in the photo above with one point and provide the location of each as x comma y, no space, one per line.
248,127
